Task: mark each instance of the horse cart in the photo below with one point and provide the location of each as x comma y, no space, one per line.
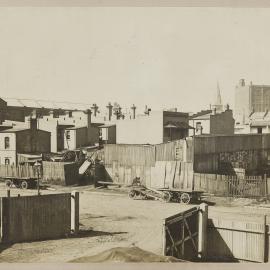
139,191
22,182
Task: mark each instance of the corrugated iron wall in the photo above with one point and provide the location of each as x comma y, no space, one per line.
124,154
128,154
167,151
218,144
215,154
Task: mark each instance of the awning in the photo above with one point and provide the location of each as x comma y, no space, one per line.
178,125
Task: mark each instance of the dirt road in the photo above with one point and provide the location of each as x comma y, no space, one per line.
107,219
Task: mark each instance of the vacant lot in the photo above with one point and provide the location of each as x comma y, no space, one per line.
109,219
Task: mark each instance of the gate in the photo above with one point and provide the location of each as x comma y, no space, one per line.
184,234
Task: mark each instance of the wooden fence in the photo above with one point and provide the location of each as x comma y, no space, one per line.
63,173
29,218
158,166
22,171
231,186
173,174
233,239
218,236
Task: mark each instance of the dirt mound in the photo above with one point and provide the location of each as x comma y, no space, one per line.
125,254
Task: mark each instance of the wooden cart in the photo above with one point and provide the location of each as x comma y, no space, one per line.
23,182
165,194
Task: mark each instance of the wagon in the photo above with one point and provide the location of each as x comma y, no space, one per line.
182,196
165,194
23,182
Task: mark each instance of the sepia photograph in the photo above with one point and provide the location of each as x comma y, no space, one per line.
134,132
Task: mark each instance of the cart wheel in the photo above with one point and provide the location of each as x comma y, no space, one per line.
132,194
166,196
8,183
24,185
185,198
143,196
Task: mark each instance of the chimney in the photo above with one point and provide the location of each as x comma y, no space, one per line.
119,114
95,109
33,120
133,108
110,106
147,110
88,117
242,82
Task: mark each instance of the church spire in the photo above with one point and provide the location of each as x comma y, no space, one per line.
217,107
218,100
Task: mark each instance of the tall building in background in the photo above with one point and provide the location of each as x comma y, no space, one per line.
217,106
250,99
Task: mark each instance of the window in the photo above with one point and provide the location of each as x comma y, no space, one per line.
7,145
259,130
198,126
68,134
7,161
70,114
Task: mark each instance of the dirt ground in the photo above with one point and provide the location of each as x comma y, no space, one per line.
108,218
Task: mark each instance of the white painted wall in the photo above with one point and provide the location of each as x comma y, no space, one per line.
142,130
205,124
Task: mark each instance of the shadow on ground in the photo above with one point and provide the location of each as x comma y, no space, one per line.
92,233
4,247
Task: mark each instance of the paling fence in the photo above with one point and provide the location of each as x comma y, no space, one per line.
64,173
232,186
231,237
21,171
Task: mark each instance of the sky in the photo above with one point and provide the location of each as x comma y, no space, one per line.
161,57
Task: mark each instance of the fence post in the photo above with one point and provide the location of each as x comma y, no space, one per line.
75,212
265,242
202,231
164,248
265,186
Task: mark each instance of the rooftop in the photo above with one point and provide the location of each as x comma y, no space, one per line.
13,130
37,103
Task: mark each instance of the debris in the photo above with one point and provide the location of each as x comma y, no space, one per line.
126,254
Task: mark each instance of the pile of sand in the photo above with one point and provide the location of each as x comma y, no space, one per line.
125,254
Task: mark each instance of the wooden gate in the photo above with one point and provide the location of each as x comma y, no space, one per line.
181,234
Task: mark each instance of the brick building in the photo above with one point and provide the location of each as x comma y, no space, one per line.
211,122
